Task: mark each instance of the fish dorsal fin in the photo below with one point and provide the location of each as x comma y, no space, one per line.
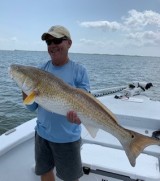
30,98
92,130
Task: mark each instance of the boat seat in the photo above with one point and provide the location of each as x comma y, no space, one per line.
105,160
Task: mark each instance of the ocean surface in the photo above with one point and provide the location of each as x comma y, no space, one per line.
105,71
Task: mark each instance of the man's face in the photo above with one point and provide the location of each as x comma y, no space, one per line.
58,49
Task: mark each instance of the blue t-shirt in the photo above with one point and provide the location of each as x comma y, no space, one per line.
54,127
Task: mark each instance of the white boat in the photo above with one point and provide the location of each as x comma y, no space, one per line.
103,158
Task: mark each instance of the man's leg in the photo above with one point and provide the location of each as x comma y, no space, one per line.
68,160
49,176
58,179
44,159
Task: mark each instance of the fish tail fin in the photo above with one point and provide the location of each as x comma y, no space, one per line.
136,144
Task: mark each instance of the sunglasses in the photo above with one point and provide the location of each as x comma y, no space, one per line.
56,41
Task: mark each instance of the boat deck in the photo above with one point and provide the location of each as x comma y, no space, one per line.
103,156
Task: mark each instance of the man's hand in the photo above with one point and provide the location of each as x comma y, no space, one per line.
73,118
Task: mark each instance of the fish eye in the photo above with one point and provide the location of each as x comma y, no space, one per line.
132,136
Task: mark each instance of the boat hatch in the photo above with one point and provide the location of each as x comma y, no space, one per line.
112,164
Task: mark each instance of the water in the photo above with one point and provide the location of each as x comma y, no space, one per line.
104,71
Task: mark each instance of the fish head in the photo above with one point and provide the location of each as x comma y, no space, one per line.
23,77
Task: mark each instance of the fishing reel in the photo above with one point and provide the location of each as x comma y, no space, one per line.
156,134
135,88
143,85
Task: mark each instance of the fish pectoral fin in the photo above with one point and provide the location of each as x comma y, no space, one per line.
92,130
30,98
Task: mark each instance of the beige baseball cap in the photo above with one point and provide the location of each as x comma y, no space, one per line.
57,32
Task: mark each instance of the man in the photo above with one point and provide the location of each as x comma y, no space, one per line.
57,140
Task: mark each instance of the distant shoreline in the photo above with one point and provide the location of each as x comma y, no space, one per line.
85,53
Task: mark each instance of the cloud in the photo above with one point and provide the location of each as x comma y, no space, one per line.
14,39
138,28
141,19
146,37
135,19
104,25
91,42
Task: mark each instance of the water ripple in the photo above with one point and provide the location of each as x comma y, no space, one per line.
104,71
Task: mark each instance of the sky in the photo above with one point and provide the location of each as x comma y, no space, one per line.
125,27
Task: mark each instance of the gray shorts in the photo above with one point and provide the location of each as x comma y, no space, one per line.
64,156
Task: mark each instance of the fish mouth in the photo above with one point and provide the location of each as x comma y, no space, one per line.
10,72
11,69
